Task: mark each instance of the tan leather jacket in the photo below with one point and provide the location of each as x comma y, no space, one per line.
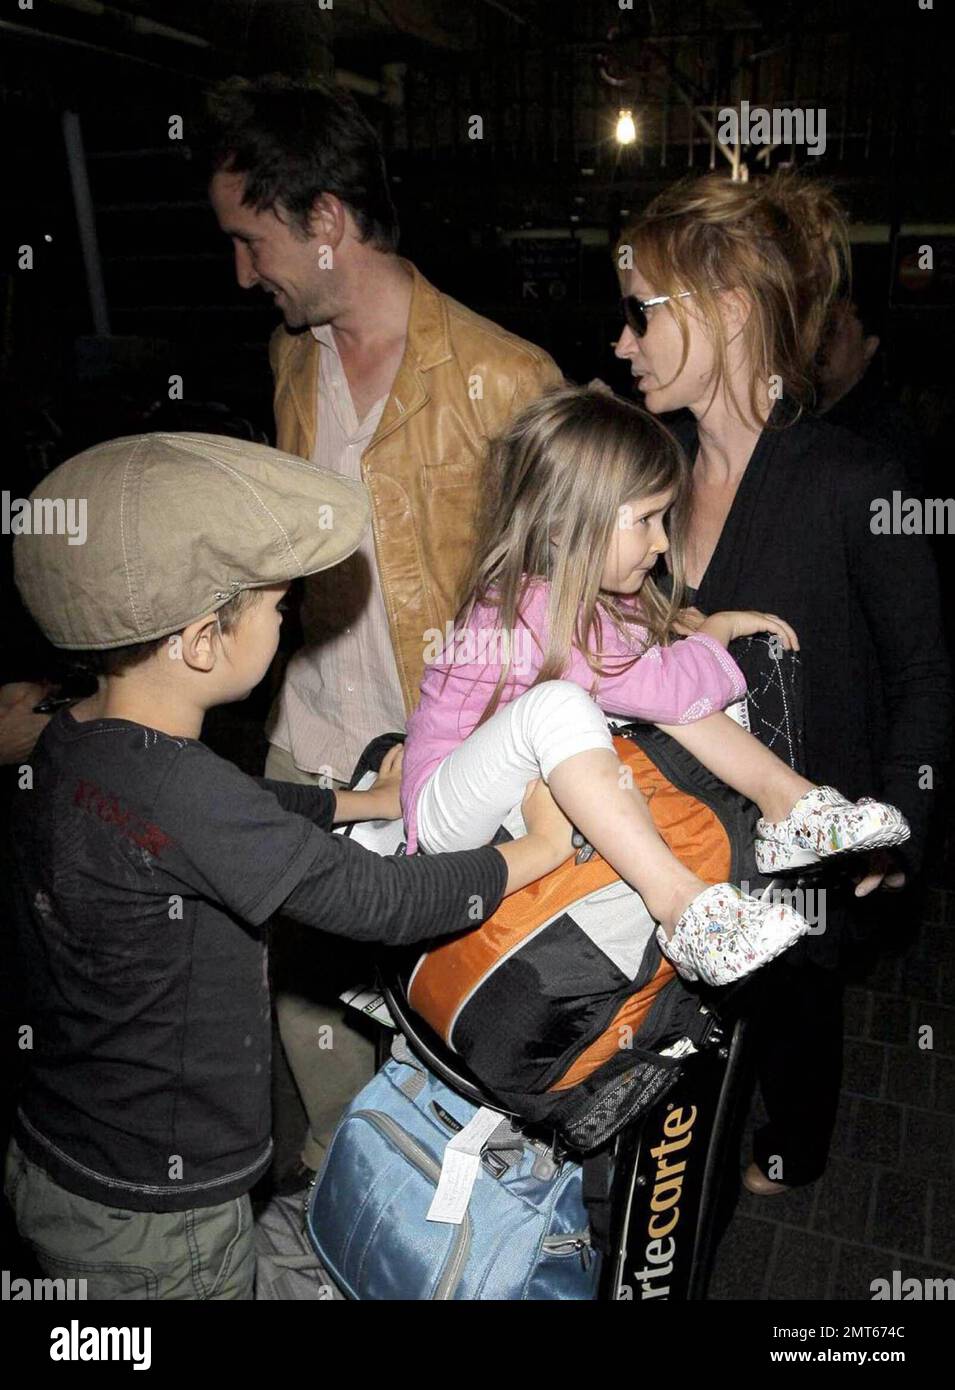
461,379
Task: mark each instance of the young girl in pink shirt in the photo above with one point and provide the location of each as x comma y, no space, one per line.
563,625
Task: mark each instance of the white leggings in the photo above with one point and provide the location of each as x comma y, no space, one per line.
470,793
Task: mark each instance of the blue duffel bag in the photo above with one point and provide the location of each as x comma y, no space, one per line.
524,1234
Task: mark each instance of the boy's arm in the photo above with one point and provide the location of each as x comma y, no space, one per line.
316,804
379,802
235,843
351,891
326,808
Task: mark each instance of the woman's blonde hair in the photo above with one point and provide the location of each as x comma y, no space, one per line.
782,240
560,472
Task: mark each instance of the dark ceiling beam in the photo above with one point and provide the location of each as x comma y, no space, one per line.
24,31
137,23
506,10
433,21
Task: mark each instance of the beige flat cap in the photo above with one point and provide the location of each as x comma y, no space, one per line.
136,538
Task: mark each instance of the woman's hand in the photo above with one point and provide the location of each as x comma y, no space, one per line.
885,870
725,627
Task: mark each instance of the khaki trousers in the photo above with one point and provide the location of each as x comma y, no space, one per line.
204,1253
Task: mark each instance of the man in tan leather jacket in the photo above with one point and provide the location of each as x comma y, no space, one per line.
381,377
460,380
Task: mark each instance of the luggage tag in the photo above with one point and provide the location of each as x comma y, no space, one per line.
491,1160
369,1002
460,1167
738,711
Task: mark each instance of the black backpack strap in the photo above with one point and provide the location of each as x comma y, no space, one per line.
596,1189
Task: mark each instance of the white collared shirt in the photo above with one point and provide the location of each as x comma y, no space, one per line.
343,691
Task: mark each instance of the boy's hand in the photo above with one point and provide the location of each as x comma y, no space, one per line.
388,784
544,818
547,842
724,627
381,801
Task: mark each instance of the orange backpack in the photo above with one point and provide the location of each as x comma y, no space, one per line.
565,987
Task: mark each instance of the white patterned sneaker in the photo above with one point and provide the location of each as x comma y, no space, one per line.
823,823
724,935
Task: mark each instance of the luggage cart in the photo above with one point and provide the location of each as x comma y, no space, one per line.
662,1190
661,1181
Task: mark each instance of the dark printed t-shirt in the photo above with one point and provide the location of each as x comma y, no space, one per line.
149,866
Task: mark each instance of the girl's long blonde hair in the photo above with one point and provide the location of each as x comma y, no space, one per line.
559,475
782,240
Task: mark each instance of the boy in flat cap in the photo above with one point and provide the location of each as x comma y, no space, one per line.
149,866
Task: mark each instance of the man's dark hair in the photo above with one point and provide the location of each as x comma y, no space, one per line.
293,143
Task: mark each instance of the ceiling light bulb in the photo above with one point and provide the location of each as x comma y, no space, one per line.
626,130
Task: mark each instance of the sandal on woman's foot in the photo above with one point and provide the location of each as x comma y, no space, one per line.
724,935
824,823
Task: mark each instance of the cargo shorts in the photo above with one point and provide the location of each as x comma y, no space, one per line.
204,1253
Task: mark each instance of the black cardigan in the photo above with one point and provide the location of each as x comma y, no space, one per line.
798,542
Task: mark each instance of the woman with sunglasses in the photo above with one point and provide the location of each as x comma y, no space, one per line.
727,287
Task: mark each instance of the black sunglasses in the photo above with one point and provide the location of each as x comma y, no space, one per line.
635,310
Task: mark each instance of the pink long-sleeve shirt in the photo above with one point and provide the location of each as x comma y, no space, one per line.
667,685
